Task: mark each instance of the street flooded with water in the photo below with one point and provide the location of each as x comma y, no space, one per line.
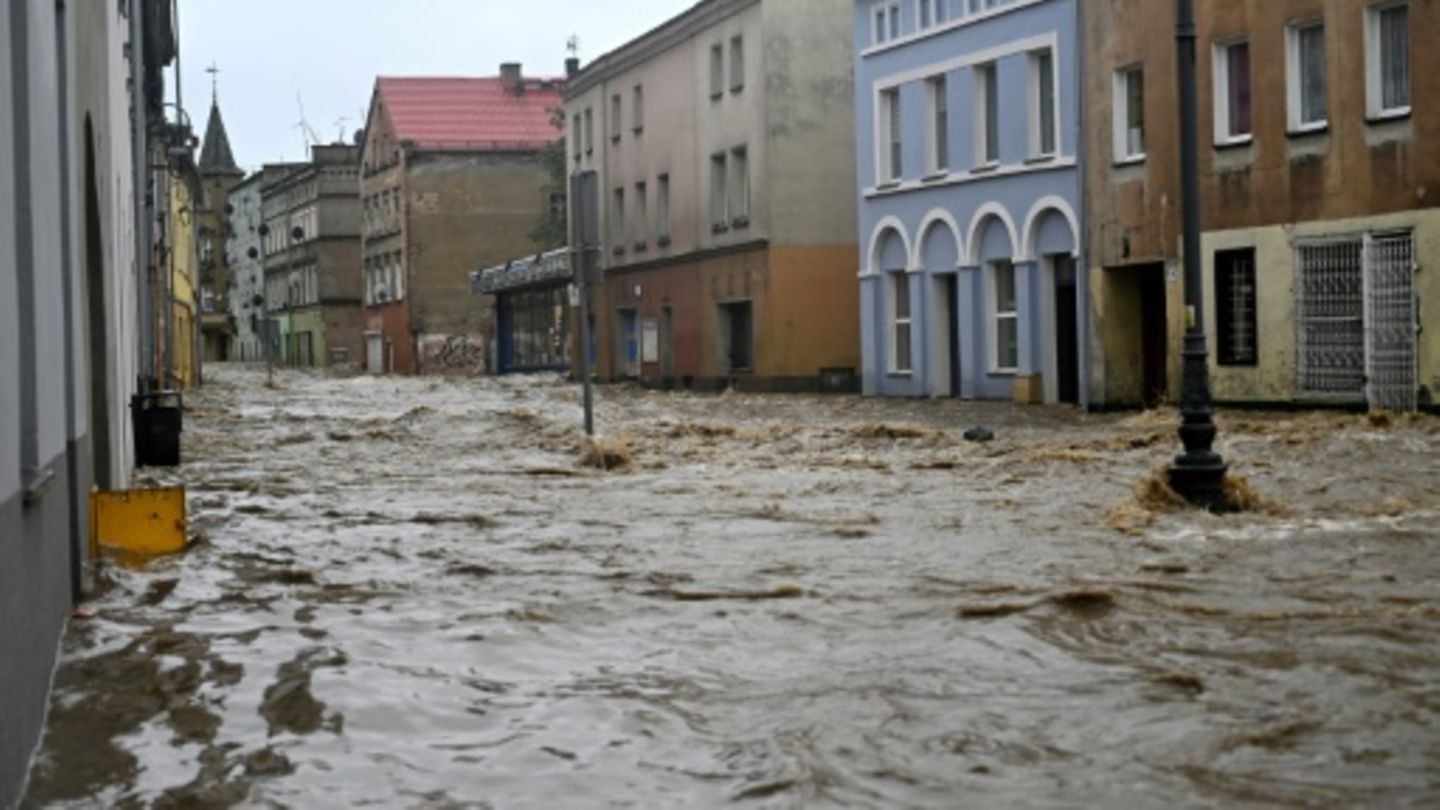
418,593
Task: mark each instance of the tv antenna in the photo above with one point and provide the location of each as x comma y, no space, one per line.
307,132
340,129
573,45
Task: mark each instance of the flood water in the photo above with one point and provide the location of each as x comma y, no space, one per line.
412,593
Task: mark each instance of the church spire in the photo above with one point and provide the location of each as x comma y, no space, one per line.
215,155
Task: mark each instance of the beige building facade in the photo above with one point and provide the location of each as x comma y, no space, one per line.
722,149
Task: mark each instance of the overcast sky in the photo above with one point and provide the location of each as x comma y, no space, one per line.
330,51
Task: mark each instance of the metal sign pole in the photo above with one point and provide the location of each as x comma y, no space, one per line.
583,256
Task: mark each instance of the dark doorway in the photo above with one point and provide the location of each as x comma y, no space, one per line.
1067,337
736,337
667,345
950,306
1154,335
95,327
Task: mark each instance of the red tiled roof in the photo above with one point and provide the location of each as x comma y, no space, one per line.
471,114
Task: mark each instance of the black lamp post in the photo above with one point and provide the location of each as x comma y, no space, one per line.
1198,474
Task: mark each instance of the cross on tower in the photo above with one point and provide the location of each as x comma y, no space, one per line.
214,82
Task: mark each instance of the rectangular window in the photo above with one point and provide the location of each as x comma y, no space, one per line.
717,71
589,130
1305,79
662,209
575,132
637,108
886,22
987,115
1235,308
615,110
892,167
1387,60
1042,104
718,220
938,144
900,321
617,221
1004,319
927,13
737,64
642,215
1129,123
1232,93
739,191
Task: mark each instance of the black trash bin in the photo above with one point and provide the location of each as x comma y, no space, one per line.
158,423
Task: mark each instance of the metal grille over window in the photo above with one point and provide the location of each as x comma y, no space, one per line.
1235,295
1391,322
1331,292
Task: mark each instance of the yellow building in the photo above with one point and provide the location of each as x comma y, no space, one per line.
182,332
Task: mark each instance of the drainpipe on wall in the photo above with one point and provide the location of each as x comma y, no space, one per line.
1082,239
140,155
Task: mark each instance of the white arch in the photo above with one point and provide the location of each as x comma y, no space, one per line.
873,267
1050,203
988,210
936,215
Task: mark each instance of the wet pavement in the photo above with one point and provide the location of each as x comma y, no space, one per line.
416,593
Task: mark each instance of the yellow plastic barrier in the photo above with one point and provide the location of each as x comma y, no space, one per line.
146,523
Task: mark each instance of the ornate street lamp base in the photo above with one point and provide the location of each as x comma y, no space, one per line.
1199,473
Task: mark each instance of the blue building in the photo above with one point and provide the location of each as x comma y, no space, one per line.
968,117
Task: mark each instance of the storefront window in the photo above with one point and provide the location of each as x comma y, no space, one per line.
536,329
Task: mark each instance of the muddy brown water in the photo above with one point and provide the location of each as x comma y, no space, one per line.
412,593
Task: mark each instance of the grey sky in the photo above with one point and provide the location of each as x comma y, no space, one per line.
330,51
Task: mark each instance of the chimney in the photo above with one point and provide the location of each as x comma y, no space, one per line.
572,67
510,76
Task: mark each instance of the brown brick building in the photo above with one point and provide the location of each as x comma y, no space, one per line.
1320,169
451,180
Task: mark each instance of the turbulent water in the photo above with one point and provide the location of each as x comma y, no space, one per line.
414,593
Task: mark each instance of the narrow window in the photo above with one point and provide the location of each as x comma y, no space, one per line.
1232,93
927,18
1042,115
1387,60
718,221
987,115
877,32
894,14
737,64
938,91
637,109
1129,125
890,123
900,320
589,131
1305,77
1004,318
617,221
1235,307
615,110
717,71
662,210
575,132
642,215
739,190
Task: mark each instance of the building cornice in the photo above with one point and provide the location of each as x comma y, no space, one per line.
647,46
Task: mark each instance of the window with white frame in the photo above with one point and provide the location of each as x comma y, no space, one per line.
987,115
1387,60
737,64
739,189
717,70
892,163
642,215
937,144
1232,93
637,108
885,22
662,209
575,136
615,110
1129,112
934,12
1004,319
1044,136
1305,76
718,213
900,321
